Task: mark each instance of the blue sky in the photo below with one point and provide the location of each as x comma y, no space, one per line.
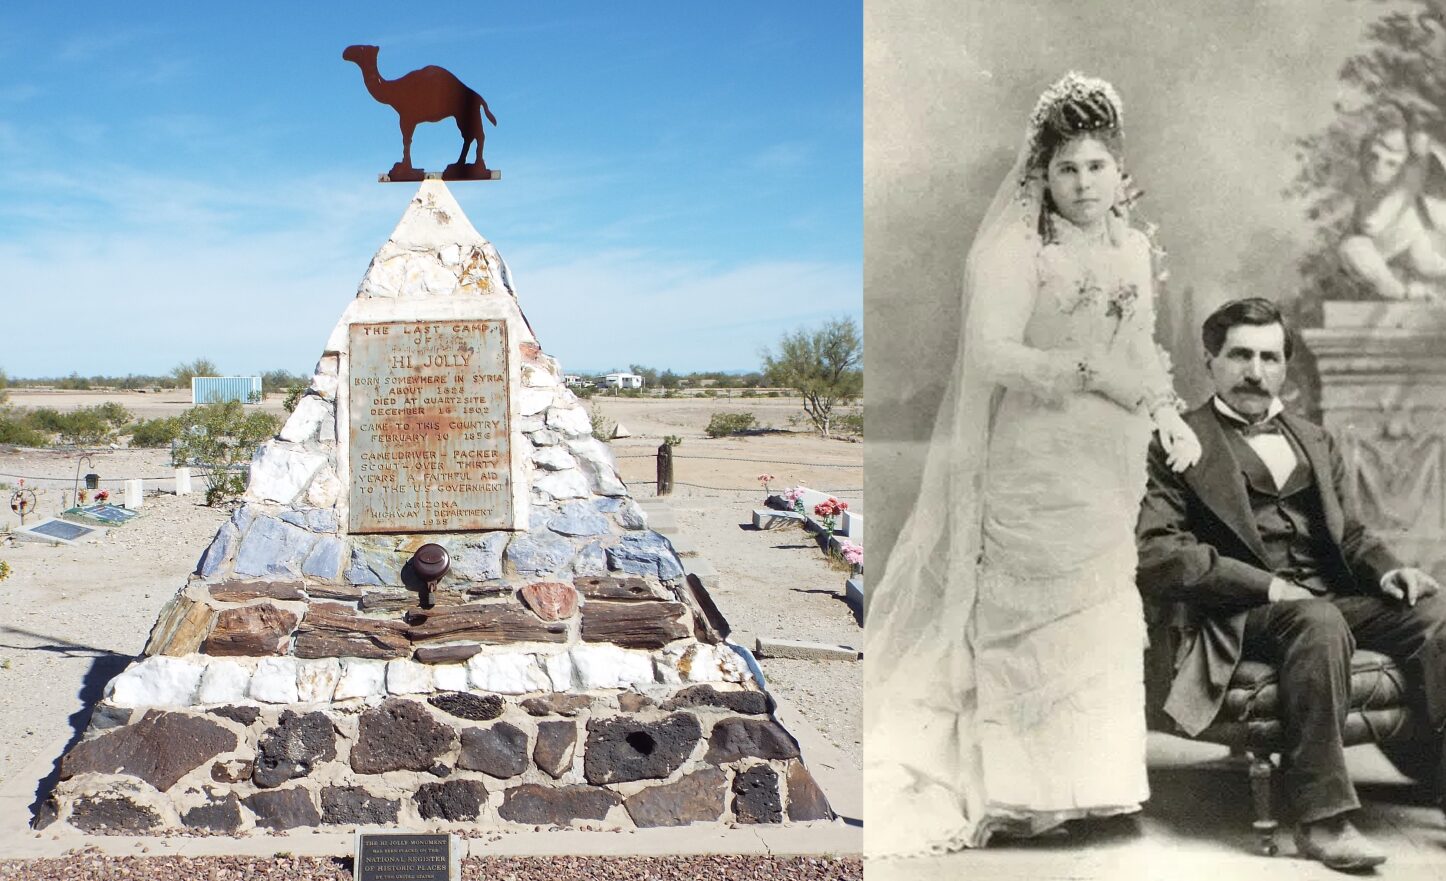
681,181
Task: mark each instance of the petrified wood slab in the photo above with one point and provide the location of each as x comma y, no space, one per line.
648,625
446,654
261,629
402,601
331,630
241,591
181,627
349,592
489,623
550,600
606,587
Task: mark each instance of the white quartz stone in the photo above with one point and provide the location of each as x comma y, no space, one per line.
324,490
608,666
538,377
405,676
553,458
424,276
316,679
571,421
559,670
597,462
450,677
274,681
157,682
545,437
569,484
328,365
279,472
224,682
309,417
325,385
361,677
531,401
507,673
700,662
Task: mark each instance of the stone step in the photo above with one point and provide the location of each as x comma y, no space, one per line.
767,518
684,546
793,649
664,520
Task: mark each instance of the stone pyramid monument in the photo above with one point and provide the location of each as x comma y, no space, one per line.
438,607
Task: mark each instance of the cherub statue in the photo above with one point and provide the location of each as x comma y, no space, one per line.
1397,242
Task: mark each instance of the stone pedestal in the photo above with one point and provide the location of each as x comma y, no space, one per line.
1383,397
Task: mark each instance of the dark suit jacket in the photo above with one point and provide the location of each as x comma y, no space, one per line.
1200,550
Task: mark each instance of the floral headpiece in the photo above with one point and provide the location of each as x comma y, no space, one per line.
1076,87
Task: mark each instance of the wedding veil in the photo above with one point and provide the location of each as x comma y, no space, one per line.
922,774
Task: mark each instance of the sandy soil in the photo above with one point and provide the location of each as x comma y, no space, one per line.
73,617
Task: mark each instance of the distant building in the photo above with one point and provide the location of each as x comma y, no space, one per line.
623,380
571,380
211,389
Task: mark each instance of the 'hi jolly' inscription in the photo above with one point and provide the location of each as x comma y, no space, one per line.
430,445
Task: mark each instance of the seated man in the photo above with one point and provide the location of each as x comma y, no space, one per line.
1263,542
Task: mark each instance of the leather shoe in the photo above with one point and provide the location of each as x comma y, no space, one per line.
1337,844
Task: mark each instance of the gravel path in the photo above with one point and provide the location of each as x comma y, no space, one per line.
93,867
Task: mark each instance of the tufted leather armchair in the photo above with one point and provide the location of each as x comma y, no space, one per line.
1249,721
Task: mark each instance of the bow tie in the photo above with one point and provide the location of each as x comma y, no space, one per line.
1265,426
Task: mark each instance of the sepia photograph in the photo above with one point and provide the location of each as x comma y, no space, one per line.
1156,306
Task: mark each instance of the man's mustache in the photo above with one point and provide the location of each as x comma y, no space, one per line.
1252,390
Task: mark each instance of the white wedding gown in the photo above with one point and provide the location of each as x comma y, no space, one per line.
1058,629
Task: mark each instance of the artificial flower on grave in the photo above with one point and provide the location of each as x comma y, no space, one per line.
794,496
853,554
765,479
102,497
829,510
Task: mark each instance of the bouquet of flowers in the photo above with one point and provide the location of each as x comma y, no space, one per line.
829,510
102,497
853,554
794,497
765,479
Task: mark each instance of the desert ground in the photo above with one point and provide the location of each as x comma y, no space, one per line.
73,617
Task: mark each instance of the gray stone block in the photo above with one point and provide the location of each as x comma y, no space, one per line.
646,553
220,548
373,566
767,518
271,547
479,560
540,553
854,593
324,561
579,518
804,651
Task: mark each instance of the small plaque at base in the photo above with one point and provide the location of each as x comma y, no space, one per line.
407,856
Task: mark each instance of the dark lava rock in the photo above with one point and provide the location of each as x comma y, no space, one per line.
697,798
749,703
218,814
805,800
735,738
244,715
755,796
291,749
556,704
399,735
160,749
232,770
111,813
548,805
499,750
465,705
623,749
556,742
354,806
283,808
455,800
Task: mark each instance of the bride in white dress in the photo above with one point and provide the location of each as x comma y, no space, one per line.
1004,682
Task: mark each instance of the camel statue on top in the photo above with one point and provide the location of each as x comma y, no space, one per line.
430,94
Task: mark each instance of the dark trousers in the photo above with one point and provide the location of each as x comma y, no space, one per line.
1310,642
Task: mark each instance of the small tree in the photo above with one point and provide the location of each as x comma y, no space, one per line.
221,438
822,366
182,374
4,387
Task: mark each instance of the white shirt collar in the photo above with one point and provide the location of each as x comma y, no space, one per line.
1229,412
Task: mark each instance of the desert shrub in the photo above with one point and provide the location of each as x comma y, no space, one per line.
17,428
293,397
84,425
724,424
602,427
709,393
156,432
849,423
221,438
73,382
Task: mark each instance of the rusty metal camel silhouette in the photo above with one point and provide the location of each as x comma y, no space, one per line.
430,94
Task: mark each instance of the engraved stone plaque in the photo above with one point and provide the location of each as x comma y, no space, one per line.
429,444
406,857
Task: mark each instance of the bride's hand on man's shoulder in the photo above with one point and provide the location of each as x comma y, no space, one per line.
1181,446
